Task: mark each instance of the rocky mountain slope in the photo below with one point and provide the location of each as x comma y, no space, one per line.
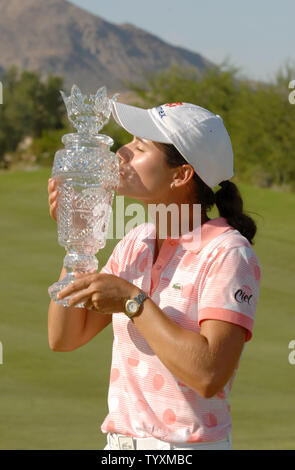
58,37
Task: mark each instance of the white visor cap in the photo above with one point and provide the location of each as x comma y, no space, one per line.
199,135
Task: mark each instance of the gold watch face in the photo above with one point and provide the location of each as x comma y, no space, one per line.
132,307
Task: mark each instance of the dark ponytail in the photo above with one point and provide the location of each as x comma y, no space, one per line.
230,206
227,199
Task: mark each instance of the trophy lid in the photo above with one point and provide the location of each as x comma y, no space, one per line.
88,114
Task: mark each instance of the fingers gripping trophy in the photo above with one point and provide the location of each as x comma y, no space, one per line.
87,174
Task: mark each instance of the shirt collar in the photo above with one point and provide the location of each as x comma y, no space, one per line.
200,237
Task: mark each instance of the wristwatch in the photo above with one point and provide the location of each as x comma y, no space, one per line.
132,306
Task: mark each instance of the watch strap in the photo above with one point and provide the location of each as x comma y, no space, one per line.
140,297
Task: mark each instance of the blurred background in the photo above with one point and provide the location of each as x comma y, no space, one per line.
235,59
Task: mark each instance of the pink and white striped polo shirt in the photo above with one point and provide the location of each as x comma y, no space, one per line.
218,280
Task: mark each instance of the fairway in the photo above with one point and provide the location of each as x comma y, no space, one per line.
52,400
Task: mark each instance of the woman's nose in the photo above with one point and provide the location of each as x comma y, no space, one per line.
124,153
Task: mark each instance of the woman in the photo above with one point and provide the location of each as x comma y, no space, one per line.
177,346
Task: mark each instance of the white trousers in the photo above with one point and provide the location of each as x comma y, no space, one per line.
120,442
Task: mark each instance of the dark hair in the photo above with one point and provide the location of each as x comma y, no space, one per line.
227,199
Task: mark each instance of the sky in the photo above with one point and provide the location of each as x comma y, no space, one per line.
257,36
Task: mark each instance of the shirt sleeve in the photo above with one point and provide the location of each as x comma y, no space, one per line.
231,287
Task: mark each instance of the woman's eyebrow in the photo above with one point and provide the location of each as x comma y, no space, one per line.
142,141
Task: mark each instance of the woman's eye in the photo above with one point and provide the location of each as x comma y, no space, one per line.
141,150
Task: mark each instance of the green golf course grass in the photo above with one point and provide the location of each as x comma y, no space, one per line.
53,400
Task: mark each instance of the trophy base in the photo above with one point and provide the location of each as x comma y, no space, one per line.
58,286
73,262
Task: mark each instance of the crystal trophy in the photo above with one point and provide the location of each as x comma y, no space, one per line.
87,174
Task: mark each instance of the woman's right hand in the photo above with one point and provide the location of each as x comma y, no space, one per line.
52,197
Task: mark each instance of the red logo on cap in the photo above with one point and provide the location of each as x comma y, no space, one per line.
172,105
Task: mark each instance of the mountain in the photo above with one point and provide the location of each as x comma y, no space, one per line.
58,37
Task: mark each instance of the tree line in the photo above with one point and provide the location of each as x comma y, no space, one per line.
259,117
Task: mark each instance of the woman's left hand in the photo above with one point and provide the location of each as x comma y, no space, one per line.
102,292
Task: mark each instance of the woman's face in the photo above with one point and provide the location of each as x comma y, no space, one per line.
144,173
